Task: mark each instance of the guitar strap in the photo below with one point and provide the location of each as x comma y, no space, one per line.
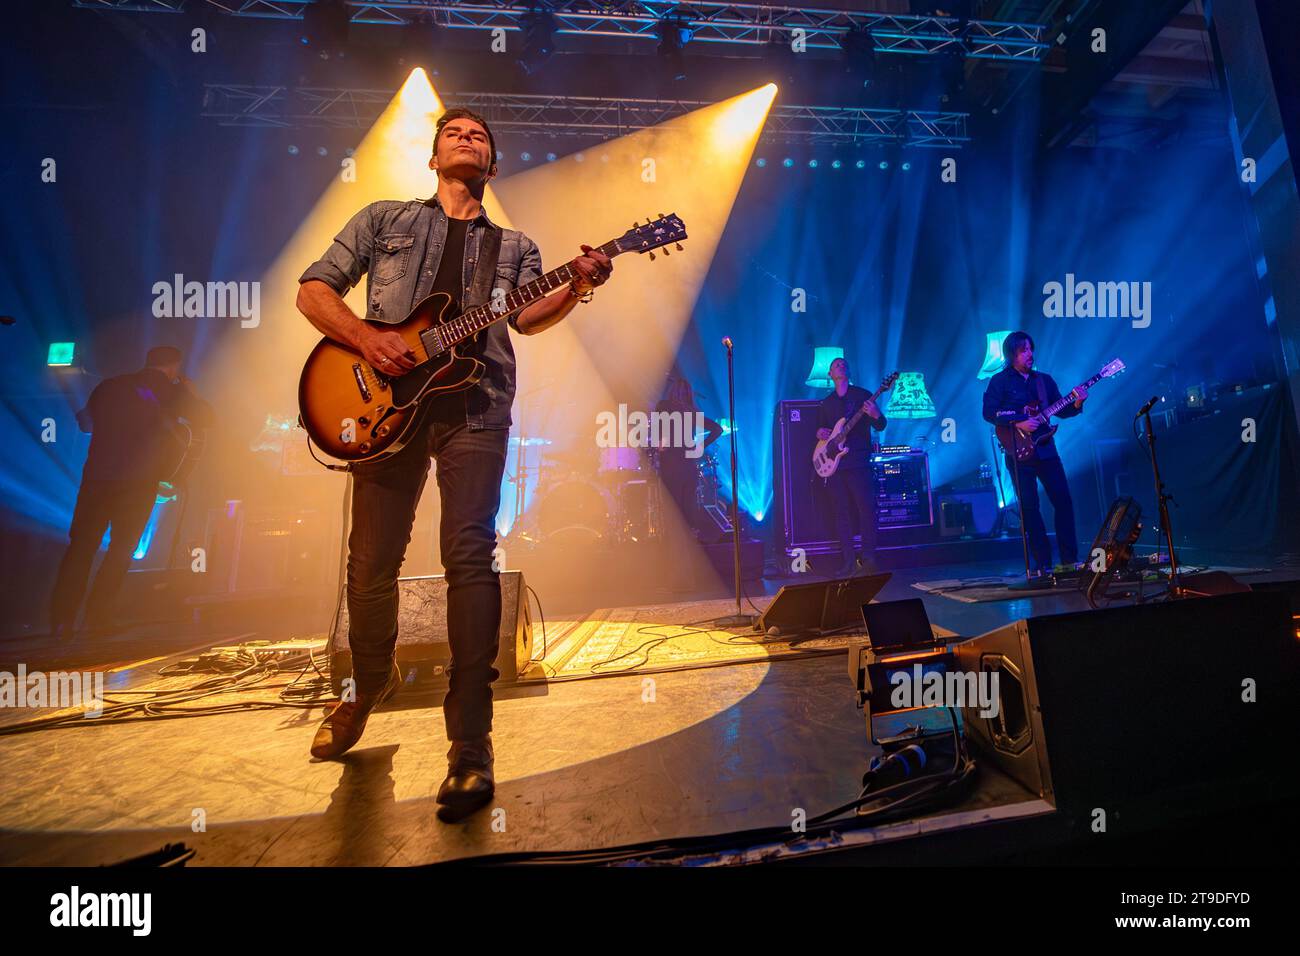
1042,391
485,272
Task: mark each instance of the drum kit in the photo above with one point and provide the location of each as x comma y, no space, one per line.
597,497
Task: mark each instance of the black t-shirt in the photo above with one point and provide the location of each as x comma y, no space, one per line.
450,277
130,417
834,407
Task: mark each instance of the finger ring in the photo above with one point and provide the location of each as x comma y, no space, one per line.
384,360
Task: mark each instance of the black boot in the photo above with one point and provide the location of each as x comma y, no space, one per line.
469,784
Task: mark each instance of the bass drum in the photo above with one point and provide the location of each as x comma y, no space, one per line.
575,512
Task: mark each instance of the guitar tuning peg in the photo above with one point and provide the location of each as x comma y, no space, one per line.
652,257
665,250
678,245
661,216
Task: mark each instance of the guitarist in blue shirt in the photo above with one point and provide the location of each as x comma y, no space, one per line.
1009,392
850,486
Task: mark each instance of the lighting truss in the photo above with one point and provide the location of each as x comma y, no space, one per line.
753,24
601,117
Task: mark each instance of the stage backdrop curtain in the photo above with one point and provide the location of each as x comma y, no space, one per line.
1231,496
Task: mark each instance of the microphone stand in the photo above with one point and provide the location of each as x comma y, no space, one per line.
1162,500
739,619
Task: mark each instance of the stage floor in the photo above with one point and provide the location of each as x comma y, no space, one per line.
581,764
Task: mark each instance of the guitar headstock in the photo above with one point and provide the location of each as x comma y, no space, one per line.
889,381
1112,368
652,235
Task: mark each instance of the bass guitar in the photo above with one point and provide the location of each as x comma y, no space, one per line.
836,444
355,412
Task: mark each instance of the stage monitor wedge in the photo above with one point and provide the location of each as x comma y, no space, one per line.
820,607
1148,712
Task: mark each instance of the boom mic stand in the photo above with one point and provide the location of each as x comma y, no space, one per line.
1162,500
739,619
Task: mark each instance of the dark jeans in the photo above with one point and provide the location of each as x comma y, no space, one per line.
681,477
384,496
1052,475
853,502
124,506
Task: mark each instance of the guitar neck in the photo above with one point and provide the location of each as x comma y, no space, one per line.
852,423
1056,406
472,321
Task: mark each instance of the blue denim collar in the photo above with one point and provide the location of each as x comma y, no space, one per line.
434,202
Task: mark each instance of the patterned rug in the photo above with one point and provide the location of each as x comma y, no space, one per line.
666,637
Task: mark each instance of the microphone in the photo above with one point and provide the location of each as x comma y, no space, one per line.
1147,407
727,342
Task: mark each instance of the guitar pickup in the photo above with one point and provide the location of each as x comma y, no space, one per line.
362,387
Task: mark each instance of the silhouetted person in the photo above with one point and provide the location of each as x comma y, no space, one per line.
134,444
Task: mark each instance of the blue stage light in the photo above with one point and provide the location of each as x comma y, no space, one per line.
787,162
760,162
836,164
861,164
884,164
526,156
812,164
550,157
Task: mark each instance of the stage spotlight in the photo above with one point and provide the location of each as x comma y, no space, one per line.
420,39
884,164
787,162
836,164
812,164
539,41
760,162
322,151
861,164
907,164
526,156
673,35
550,157
293,150
325,28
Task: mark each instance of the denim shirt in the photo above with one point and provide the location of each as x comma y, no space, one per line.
398,246
1009,392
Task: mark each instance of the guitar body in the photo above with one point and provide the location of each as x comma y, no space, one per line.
355,413
835,445
823,463
1020,446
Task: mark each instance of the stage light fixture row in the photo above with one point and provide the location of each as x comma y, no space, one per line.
814,163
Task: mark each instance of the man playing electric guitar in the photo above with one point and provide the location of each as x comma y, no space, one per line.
1010,392
409,250
850,486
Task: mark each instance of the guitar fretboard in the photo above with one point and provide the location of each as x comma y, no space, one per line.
472,321
1065,399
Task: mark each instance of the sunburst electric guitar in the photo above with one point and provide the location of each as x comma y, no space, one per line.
354,412
827,454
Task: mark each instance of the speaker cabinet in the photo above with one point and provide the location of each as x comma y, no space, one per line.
1153,709
422,628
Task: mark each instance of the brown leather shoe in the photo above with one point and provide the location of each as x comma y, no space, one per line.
346,720
469,782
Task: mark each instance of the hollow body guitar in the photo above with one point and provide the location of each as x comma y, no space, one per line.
354,412
836,445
